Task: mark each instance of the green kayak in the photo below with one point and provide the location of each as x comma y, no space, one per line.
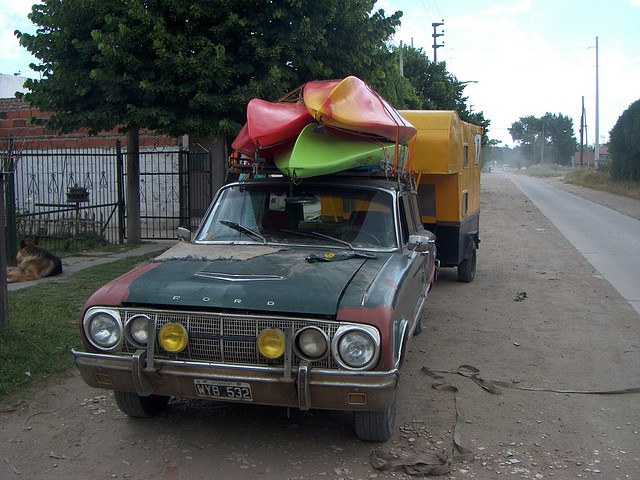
321,150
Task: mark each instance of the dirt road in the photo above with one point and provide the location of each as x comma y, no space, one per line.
537,316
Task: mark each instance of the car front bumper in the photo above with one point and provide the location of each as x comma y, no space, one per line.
303,387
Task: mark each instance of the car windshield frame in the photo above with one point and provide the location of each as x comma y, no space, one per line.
336,216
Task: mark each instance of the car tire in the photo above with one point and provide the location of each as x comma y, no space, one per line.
467,268
136,406
375,426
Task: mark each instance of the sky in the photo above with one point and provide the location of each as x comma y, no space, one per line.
520,57
530,57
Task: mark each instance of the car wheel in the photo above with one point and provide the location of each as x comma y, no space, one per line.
467,268
376,426
140,407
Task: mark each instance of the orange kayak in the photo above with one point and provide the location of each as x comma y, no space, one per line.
350,104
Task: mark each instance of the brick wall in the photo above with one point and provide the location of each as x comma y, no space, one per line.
16,121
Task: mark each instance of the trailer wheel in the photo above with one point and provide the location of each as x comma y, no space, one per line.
467,268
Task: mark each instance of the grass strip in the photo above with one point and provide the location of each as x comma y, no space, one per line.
44,325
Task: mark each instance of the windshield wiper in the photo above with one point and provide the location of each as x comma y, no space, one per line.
320,235
242,229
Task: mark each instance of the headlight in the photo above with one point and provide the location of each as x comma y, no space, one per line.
173,337
311,343
137,330
271,343
356,348
103,328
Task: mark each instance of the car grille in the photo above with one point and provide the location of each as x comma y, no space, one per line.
229,339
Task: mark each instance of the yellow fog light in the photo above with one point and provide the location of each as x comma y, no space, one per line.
173,337
271,343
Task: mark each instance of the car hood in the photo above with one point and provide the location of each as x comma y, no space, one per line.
247,277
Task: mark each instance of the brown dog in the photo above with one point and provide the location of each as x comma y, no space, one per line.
34,263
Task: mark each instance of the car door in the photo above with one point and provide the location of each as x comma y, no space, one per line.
417,268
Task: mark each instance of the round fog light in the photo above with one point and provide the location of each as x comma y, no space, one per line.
312,343
271,343
137,329
173,337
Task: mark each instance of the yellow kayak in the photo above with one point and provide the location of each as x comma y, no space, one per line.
350,104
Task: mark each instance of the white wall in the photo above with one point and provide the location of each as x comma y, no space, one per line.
10,84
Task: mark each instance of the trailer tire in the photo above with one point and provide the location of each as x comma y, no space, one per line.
467,268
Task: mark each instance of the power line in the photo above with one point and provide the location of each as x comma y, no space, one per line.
429,11
437,10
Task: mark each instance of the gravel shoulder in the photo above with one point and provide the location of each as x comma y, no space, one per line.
537,316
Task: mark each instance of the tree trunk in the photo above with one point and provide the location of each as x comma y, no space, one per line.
133,186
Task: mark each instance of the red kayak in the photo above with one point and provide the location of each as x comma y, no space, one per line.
270,124
350,104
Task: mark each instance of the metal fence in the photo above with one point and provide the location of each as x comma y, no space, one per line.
65,196
74,198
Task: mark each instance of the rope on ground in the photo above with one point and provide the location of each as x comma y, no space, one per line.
492,386
440,464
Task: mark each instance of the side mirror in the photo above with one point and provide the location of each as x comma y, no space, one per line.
422,243
184,234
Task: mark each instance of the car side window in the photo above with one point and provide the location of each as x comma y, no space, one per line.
407,226
417,215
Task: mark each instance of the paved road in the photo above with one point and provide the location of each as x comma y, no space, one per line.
609,240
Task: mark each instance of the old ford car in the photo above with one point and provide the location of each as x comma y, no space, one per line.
295,294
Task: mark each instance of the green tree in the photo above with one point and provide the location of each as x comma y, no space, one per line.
548,137
187,66
525,131
190,66
559,132
437,89
624,147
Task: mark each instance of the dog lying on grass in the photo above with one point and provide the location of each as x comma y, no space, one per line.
34,263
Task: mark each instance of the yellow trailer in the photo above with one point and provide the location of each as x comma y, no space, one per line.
446,159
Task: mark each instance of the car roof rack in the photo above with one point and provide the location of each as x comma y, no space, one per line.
240,167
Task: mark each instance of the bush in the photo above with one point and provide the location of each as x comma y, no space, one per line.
624,146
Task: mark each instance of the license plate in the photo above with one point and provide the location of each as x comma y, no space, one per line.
224,390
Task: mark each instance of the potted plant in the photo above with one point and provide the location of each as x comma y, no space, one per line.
77,194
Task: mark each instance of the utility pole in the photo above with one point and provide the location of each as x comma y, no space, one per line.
542,146
582,132
596,157
401,66
435,36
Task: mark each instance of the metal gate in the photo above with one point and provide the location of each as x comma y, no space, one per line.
175,190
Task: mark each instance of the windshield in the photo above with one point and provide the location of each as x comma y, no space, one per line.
339,217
